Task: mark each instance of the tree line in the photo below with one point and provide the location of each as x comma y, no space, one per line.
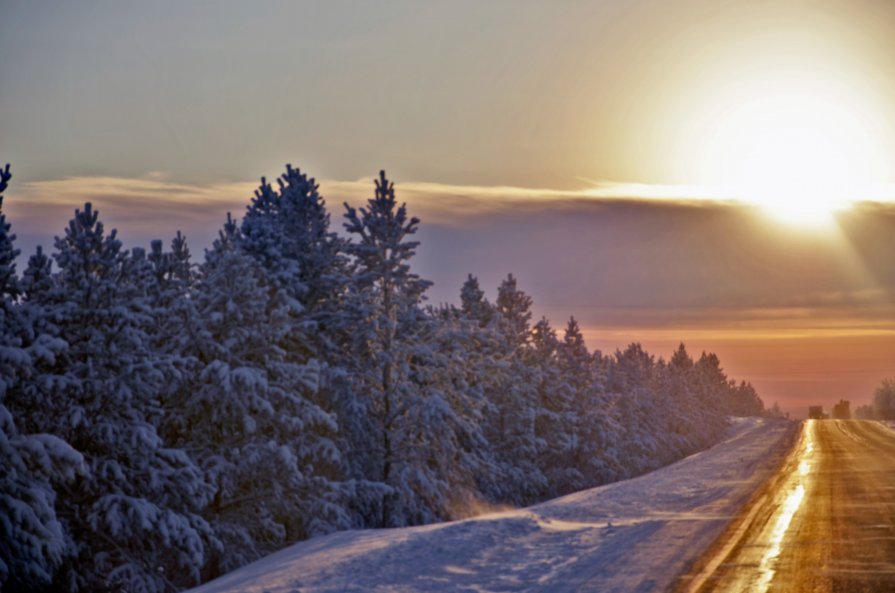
882,406
164,421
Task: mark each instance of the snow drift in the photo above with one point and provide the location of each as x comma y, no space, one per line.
634,535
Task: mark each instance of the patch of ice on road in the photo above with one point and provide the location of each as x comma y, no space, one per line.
632,536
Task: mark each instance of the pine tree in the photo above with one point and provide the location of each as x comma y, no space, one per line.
884,400
514,309
33,543
134,517
713,400
515,403
593,425
287,230
482,358
405,413
555,422
473,303
9,282
744,400
247,416
632,383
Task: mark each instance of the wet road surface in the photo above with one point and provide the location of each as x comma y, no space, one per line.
824,523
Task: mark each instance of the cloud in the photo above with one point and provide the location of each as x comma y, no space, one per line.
611,254
155,206
141,208
151,198
440,203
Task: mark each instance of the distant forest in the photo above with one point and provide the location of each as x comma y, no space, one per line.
882,407
164,421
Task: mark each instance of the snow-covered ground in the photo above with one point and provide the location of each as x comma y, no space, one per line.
631,536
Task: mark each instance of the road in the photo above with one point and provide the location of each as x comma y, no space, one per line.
824,523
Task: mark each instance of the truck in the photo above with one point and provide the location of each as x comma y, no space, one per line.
816,413
841,410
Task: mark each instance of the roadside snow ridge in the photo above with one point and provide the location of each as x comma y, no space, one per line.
633,535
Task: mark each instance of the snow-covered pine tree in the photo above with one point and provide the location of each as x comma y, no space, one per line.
744,400
439,443
172,273
465,372
595,428
678,390
632,385
287,230
514,309
33,543
514,403
712,394
482,362
168,281
247,417
473,303
9,282
556,421
404,415
135,517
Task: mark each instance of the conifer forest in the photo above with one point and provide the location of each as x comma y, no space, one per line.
166,418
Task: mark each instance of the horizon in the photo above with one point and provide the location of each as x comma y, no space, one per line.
791,358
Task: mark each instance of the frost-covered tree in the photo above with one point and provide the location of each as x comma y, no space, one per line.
594,428
632,385
482,362
744,400
162,423
172,272
514,309
712,391
514,402
473,303
134,516
33,543
287,229
679,392
884,400
247,418
404,416
167,279
9,282
556,419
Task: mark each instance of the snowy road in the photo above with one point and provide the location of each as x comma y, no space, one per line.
631,536
824,523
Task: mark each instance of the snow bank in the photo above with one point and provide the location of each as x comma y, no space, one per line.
634,535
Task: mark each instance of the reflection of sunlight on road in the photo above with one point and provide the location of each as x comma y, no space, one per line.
805,463
790,506
787,511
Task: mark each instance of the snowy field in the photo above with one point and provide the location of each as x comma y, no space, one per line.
631,536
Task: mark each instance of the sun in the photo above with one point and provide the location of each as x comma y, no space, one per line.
800,156
800,145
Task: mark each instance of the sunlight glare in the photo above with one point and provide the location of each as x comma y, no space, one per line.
798,157
799,145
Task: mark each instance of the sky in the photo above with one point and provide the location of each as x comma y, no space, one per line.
662,170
